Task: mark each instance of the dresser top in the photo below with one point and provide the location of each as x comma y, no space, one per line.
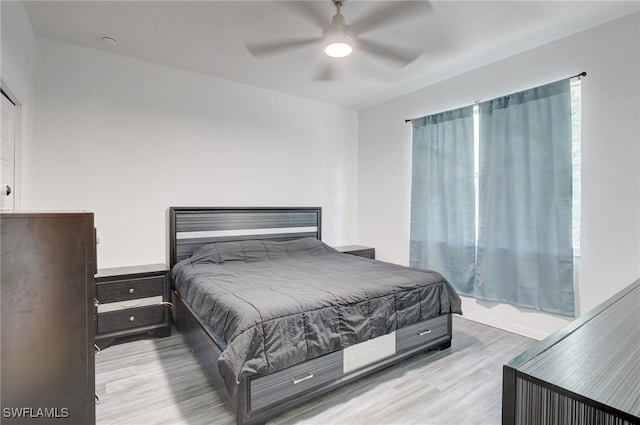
132,270
599,357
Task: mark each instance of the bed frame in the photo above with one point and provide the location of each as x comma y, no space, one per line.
259,398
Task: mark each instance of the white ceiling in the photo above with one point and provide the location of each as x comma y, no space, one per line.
208,37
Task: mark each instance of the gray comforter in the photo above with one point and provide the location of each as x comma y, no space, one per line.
276,304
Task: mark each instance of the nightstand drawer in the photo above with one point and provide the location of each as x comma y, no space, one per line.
131,318
123,290
294,380
422,333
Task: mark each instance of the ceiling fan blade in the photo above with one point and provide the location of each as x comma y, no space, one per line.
332,69
399,56
325,72
311,12
263,49
390,14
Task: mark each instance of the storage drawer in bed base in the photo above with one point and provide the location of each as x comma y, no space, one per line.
277,407
422,333
282,385
261,398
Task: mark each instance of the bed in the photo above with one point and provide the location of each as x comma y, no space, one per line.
276,317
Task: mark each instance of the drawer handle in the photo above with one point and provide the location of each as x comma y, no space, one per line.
306,378
131,290
428,331
97,348
97,398
131,319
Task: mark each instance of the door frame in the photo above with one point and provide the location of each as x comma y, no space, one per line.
17,146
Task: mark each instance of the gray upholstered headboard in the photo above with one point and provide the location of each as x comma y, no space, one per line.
192,227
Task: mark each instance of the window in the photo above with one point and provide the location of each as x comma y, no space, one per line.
576,160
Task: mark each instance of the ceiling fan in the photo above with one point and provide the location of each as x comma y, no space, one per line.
339,40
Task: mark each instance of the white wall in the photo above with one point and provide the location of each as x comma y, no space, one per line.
610,257
17,63
127,139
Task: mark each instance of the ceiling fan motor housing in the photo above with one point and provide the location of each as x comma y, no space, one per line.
337,36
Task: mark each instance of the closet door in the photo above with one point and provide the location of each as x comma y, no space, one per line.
47,267
8,113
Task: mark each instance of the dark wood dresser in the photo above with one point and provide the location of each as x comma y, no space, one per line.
48,373
586,373
132,300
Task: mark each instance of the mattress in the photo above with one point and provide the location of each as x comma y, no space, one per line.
277,304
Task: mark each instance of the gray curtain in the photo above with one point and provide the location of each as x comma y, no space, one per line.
443,196
525,254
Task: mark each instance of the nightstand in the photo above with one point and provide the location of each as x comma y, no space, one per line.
360,251
132,300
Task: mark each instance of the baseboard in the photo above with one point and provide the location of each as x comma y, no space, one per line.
506,326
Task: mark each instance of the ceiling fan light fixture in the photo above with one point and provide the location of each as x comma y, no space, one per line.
338,47
338,42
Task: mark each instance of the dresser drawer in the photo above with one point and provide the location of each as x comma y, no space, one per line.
129,289
289,382
422,333
131,318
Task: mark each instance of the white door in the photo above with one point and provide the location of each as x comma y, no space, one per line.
7,154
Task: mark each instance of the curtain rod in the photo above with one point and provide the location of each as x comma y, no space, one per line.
582,74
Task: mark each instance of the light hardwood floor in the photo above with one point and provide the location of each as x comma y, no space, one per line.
158,381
